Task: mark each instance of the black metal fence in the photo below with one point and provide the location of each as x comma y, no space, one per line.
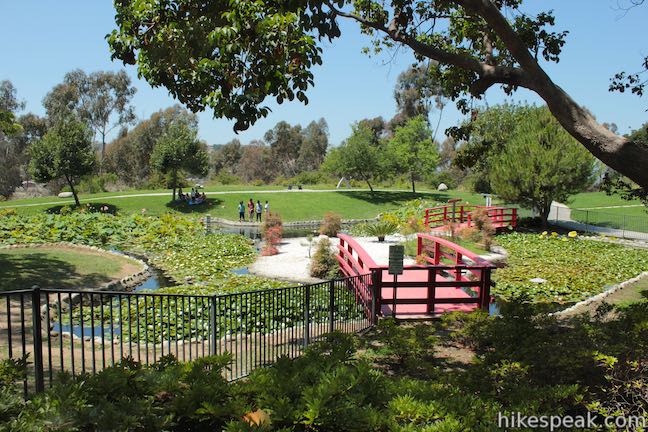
602,222
86,331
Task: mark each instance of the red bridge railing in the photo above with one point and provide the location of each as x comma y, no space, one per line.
462,214
453,277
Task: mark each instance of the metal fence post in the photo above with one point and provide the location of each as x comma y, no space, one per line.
307,317
331,306
214,324
38,340
376,275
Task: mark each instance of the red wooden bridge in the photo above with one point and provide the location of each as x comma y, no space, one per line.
437,218
452,279
449,278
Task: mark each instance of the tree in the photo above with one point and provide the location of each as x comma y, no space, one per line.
10,151
180,150
65,151
242,52
285,142
256,163
102,99
490,131
412,150
314,145
416,89
129,155
227,157
357,157
541,163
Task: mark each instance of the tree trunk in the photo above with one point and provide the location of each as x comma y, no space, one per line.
370,187
625,156
544,216
174,182
103,152
413,184
74,193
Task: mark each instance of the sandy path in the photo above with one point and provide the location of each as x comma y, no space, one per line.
292,262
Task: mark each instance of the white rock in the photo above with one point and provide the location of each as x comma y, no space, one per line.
442,187
537,280
65,195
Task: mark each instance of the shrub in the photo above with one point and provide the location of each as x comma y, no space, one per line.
413,225
324,265
381,229
309,178
7,212
470,234
226,178
331,224
272,232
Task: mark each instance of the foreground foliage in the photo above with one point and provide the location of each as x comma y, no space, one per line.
397,381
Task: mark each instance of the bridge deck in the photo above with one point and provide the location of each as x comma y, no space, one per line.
453,279
420,293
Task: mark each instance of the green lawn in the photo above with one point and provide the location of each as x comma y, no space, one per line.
64,268
637,292
292,205
600,209
594,200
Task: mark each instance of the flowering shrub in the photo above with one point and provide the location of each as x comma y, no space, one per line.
272,234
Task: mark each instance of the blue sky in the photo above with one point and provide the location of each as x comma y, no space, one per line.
42,40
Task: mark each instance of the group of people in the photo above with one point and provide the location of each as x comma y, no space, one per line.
194,197
253,209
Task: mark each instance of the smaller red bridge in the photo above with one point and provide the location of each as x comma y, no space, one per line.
452,279
437,218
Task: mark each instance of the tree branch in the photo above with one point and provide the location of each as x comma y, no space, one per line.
489,75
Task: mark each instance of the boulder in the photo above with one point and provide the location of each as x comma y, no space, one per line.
442,187
65,195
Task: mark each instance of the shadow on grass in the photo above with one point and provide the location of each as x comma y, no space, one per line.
84,207
380,197
184,207
22,271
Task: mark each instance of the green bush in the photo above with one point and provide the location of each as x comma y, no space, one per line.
225,178
323,264
310,178
331,224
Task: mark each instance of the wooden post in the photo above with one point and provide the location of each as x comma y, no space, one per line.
437,253
394,296
485,289
376,293
431,286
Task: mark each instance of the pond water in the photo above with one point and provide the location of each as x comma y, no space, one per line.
253,232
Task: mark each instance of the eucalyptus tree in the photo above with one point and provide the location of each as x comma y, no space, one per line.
233,56
101,99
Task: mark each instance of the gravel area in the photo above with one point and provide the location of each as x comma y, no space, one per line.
292,261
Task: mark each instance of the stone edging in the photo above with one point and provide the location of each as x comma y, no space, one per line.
125,283
318,222
600,296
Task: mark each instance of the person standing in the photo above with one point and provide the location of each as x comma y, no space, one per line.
251,209
259,210
267,208
241,209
